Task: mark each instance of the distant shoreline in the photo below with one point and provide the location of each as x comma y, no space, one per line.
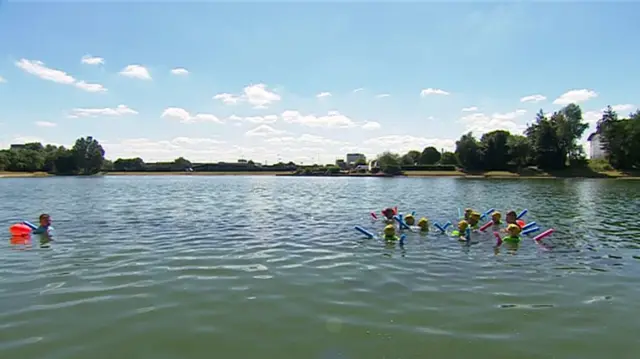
481,175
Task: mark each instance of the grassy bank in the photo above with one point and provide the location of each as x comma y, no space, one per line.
525,174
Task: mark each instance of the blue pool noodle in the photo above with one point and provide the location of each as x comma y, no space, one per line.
437,225
413,213
485,214
29,224
524,211
398,219
364,231
531,230
402,238
446,225
529,225
459,213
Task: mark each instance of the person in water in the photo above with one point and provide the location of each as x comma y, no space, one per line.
390,233
388,214
409,220
467,213
511,217
45,224
423,223
461,232
474,220
496,218
513,234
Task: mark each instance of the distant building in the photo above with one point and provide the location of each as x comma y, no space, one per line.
595,147
354,157
373,165
341,163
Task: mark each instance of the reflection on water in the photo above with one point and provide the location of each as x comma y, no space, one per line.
261,267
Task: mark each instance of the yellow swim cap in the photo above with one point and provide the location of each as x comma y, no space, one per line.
513,229
462,225
475,214
423,221
496,215
409,219
389,230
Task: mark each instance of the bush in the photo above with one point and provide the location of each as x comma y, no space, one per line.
429,168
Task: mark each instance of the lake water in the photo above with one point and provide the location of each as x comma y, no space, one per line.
271,267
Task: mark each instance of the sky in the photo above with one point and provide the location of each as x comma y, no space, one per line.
301,81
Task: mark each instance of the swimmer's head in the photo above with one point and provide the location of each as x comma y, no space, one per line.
467,213
474,218
462,226
45,220
513,230
409,220
495,217
423,223
511,217
388,212
389,230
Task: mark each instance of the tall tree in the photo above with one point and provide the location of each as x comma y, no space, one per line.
411,158
495,151
519,150
390,163
89,155
469,152
449,158
430,156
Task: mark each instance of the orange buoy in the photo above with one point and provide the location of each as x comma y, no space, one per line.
521,223
20,240
19,230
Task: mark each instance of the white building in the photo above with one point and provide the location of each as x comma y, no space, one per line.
353,157
595,150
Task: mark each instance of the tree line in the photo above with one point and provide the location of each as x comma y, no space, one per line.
549,143
86,157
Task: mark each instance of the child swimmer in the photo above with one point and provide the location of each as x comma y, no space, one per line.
390,233
461,232
423,223
45,229
474,220
513,237
388,214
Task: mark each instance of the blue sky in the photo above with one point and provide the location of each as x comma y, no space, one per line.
400,76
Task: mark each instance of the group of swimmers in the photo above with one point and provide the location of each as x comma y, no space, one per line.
470,222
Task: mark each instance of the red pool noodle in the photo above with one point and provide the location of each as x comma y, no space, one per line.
486,225
395,210
499,240
543,234
374,215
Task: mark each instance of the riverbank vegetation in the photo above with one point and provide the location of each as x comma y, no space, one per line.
548,148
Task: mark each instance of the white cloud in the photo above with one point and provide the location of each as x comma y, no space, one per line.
257,95
227,98
264,131
305,138
2,79
179,71
371,125
45,124
575,96
136,71
323,94
470,109
432,91
182,115
382,95
120,110
404,143
533,98
333,119
358,89
260,119
39,69
90,87
480,123
92,60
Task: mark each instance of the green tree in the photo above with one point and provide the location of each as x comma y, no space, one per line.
449,158
89,155
495,151
66,162
430,156
543,136
519,150
360,162
390,163
181,164
5,160
129,164
411,158
468,151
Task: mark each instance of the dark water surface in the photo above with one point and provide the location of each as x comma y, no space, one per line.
266,267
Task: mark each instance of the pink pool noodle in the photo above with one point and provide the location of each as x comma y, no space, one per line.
498,239
486,225
374,215
543,234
